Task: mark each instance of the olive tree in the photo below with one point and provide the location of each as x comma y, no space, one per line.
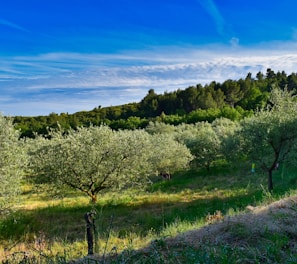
202,141
168,155
97,159
12,163
269,137
159,128
227,130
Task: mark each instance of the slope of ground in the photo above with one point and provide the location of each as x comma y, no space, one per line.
264,234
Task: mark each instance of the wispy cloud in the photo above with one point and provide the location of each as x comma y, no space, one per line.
70,82
13,25
211,8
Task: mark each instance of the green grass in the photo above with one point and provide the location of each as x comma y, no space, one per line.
54,230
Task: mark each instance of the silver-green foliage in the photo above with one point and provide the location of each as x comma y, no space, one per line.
202,141
226,131
208,142
12,163
168,155
204,144
270,136
97,159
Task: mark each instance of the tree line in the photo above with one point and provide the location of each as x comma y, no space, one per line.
232,99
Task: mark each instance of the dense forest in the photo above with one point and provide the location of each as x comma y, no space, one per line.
232,99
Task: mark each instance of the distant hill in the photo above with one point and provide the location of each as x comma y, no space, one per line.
233,99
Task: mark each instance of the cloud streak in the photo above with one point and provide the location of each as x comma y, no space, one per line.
211,8
70,82
13,25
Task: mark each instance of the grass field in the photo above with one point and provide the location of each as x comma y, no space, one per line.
136,226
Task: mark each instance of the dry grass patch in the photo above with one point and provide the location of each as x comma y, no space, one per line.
278,217
262,234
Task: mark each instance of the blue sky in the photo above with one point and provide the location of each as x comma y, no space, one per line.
73,55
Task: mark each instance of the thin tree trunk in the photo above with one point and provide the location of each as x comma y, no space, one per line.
93,199
90,235
270,183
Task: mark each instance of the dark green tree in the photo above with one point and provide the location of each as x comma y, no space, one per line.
232,92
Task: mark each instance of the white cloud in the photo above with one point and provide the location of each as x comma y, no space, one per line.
70,82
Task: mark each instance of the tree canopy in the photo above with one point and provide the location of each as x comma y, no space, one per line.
12,163
270,136
96,159
233,99
116,147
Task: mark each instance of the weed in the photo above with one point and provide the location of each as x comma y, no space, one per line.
213,218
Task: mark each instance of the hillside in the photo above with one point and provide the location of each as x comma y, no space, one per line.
220,216
263,234
232,99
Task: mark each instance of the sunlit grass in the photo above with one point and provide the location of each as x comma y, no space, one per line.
131,219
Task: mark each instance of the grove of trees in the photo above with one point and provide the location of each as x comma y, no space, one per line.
96,158
232,99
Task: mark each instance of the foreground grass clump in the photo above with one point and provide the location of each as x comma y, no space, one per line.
53,231
266,234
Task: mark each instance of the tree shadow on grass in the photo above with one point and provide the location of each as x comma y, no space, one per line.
140,217
62,222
